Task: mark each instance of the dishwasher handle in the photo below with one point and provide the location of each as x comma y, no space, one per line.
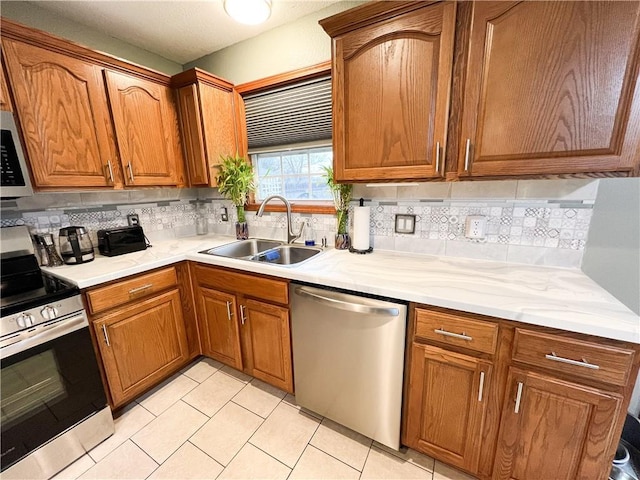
339,300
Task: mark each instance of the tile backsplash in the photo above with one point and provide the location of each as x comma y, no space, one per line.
536,222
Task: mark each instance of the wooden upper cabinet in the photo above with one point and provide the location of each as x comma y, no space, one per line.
146,124
555,429
64,115
551,88
5,100
391,88
209,124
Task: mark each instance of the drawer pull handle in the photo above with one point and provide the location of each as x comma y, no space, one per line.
467,151
460,336
229,310
242,317
139,289
437,157
481,389
106,335
518,397
577,363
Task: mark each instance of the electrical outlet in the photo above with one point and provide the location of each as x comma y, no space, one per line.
224,216
133,219
475,226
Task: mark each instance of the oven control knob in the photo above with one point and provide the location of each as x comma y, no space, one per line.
24,320
49,312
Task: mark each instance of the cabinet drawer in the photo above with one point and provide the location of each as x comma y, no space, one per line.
576,357
104,298
251,285
455,330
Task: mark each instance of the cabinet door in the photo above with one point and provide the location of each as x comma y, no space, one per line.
142,344
267,336
62,106
550,88
391,84
555,429
209,128
5,102
219,332
146,123
447,404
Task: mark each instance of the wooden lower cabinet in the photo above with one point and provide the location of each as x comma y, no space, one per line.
447,404
141,344
555,429
244,322
219,332
268,343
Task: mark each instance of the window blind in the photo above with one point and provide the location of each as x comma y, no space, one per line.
291,114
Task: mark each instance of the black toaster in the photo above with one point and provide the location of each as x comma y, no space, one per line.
121,240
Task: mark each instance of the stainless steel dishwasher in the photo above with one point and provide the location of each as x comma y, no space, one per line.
348,358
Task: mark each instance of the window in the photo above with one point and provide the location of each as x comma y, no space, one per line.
296,174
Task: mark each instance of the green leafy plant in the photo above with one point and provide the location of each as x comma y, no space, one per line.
235,181
342,193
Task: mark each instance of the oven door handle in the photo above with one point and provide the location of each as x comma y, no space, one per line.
40,334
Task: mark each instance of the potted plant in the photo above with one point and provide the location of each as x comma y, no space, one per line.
235,181
341,197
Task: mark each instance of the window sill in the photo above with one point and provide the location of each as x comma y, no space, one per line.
296,207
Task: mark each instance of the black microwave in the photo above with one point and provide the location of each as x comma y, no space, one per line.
118,241
13,168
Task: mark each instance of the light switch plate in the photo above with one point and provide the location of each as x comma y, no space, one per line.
405,223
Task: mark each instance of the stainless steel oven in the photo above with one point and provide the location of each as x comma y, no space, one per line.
52,402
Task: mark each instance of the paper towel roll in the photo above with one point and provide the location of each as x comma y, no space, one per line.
361,219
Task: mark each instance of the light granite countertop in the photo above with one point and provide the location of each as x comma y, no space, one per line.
548,296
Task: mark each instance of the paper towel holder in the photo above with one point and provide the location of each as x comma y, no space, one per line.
355,250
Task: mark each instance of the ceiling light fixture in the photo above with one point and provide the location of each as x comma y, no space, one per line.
249,12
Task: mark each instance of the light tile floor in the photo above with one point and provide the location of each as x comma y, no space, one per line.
210,421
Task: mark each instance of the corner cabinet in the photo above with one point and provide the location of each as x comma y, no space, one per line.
62,106
551,88
142,330
244,322
506,401
146,124
392,65
5,100
210,123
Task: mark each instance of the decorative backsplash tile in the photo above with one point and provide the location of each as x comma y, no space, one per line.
522,226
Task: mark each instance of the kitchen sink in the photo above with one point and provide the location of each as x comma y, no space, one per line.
287,255
265,251
243,248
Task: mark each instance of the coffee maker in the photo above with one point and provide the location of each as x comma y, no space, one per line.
75,245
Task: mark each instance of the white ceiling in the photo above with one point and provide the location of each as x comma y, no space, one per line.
181,31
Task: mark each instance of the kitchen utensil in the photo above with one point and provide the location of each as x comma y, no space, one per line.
47,250
75,245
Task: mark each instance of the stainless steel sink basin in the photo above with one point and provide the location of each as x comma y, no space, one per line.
265,251
287,255
243,248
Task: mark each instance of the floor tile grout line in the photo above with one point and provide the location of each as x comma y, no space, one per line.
276,459
336,458
365,461
397,455
251,411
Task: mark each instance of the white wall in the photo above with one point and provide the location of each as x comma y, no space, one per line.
612,255
295,45
31,15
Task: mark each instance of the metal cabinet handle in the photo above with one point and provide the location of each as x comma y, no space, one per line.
461,336
229,310
106,335
577,363
437,157
242,317
481,389
518,397
139,289
467,151
339,301
131,172
110,170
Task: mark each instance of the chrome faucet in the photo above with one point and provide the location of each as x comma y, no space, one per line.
291,237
